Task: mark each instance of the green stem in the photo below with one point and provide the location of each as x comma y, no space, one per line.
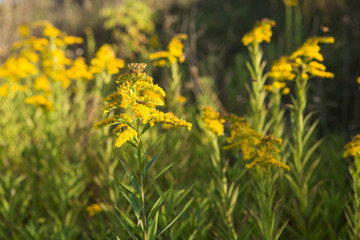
257,92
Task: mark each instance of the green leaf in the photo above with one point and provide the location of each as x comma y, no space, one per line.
127,223
158,203
176,218
164,170
146,127
132,178
149,165
153,227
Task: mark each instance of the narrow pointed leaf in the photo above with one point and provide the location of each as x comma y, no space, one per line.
176,218
149,165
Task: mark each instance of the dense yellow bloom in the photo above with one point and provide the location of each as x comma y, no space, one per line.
17,67
125,135
213,121
253,146
291,3
305,61
353,147
282,70
242,136
24,30
137,92
79,70
42,83
93,209
173,54
70,40
4,90
40,101
261,32
51,31
264,155
105,60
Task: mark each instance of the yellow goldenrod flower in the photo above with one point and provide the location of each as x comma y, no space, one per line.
254,147
71,40
79,70
39,44
42,83
105,60
93,209
264,156
40,101
242,136
291,3
51,31
124,135
353,147
261,32
173,54
137,92
213,121
24,30
282,70
285,91
4,90
181,99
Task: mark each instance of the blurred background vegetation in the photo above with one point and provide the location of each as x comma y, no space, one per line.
214,49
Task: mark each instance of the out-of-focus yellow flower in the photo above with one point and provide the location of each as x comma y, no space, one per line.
18,67
39,44
282,70
353,148
42,83
93,209
71,40
137,92
4,90
51,31
40,101
291,3
261,32
105,60
213,121
181,99
173,54
79,70
24,30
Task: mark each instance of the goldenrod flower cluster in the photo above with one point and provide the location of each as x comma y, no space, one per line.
38,62
291,3
254,147
353,147
105,60
264,155
93,209
213,121
281,70
134,93
40,101
173,54
261,32
305,62
307,58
